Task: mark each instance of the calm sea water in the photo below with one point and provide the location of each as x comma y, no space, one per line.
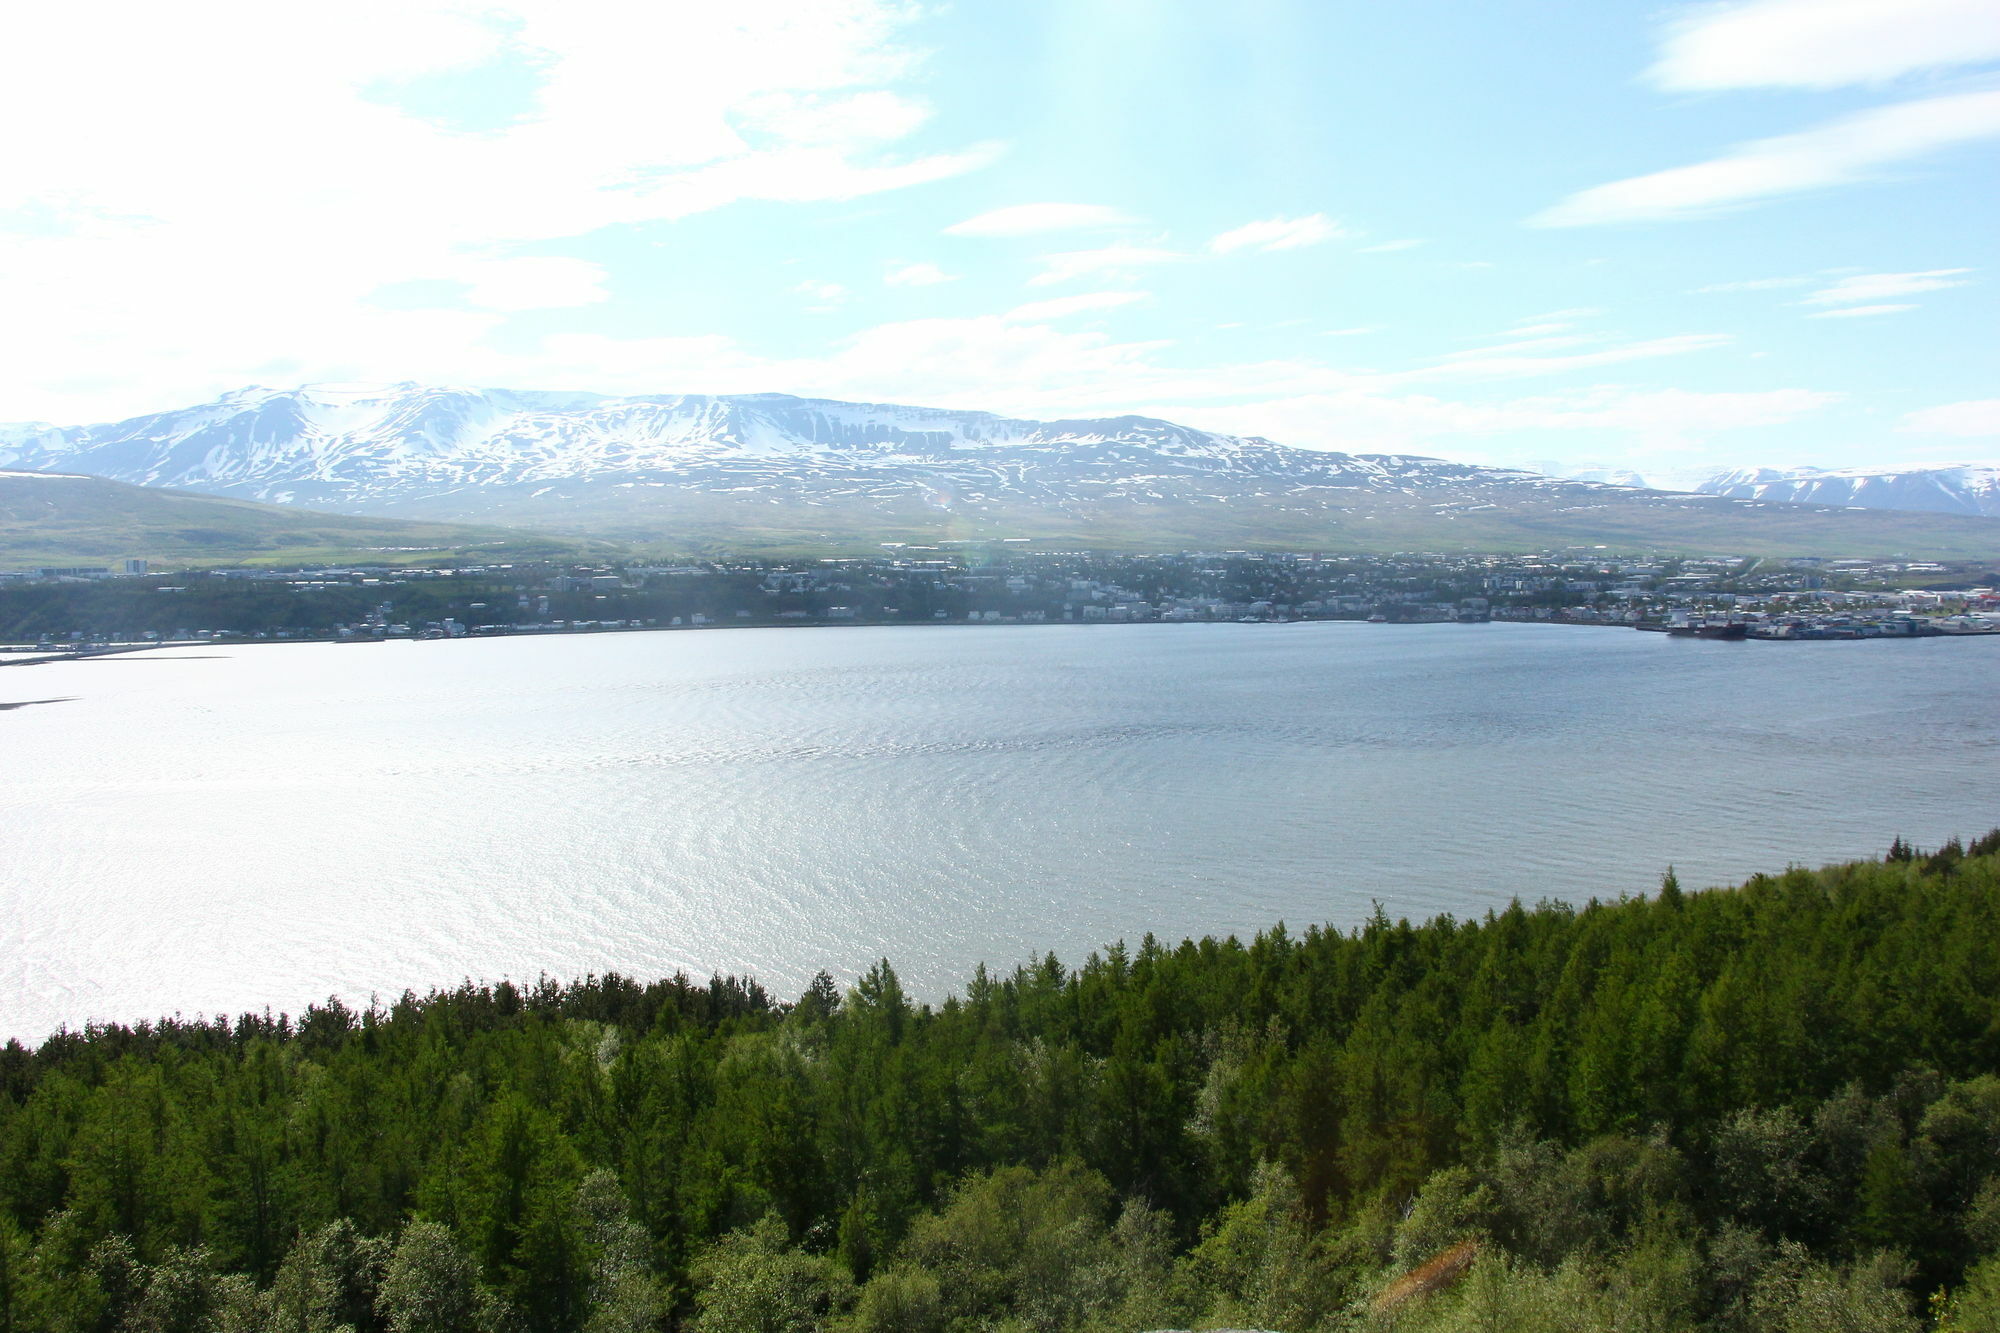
223,830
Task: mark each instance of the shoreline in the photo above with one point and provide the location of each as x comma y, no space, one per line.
18,654
23,655
35,655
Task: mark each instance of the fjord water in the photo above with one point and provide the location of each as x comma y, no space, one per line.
228,829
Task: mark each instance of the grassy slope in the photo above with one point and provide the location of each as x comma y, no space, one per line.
91,521
697,522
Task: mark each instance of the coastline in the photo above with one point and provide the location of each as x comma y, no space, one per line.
24,655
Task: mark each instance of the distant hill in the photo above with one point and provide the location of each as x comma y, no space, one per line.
766,471
1954,488
1960,488
56,519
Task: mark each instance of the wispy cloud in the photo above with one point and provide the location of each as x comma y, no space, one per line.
1111,259
1971,420
1362,419
1860,311
1818,44
1840,152
1519,345
1081,303
1278,234
1040,219
1517,361
917,275
1887,286
1569,312
1756,285
824,295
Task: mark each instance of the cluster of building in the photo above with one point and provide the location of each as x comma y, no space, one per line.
133,568
1804,598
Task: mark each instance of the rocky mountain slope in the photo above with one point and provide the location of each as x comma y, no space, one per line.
764,470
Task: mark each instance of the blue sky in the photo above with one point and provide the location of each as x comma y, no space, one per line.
1587,234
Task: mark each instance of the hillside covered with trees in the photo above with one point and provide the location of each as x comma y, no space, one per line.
1772,1107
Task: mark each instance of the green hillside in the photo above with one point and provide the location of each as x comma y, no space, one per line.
47,519
691,521
1773,1107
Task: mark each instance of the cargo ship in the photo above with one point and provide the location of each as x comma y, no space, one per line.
1734,629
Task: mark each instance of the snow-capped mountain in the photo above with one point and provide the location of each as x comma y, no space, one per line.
1959,488
412,448
1685,481
1953,488
742,471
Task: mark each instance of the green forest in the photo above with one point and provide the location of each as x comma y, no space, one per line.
1768,1107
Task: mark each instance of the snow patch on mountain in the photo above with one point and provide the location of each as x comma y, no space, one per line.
1956,488
410,447
1948,488
646,467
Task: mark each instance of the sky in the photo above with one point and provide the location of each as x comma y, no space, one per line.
1573,235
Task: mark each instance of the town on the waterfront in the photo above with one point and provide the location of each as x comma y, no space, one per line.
80,609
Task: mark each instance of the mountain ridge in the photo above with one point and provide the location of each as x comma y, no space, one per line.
1950,488
276,440
1937,488
751,471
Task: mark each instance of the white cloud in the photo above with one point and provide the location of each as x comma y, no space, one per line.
827,295
1755,285
811,118
1278,234
1514,360
1363,419
1390,247
539,283
917,275
210,204
1885,286
1838,153
1974,419
1860,311
1031,368
1823,43
1663,414
1039,219
1540,343
1113,260
1079,304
